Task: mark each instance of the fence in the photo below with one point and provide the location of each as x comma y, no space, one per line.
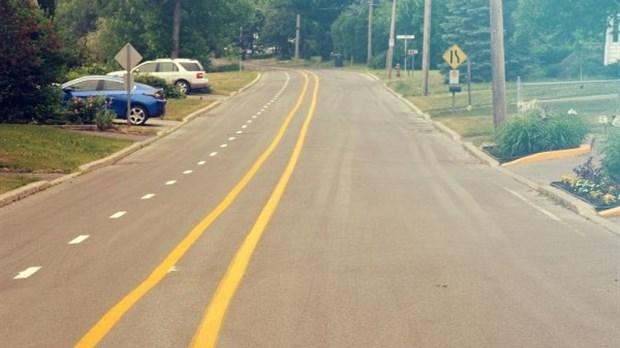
590,99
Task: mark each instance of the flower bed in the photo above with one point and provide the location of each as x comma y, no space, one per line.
589,192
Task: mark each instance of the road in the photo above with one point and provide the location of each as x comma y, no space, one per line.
312,210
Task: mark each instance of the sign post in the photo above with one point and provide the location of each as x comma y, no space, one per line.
454,56
405,37
128,58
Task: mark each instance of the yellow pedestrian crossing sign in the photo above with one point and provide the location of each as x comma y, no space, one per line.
454,56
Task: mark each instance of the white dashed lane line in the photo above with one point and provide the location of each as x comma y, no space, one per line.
244,126
231,139
224,146
188,172
78,239
213,154
239,132
118,215
171,182
201,163
148,196
27,273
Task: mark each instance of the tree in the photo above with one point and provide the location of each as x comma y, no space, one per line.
26,73
468,26
549,31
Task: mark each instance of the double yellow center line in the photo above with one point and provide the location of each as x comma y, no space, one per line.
207,333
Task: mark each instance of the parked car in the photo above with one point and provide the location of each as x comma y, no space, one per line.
146,101
186,74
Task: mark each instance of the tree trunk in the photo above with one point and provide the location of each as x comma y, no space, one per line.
176,29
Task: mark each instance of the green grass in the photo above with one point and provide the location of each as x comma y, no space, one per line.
37,149
227,83
11,182
177,109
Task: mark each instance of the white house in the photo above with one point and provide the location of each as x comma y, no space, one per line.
612,41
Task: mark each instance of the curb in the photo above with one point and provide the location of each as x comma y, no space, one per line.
30,189
577,206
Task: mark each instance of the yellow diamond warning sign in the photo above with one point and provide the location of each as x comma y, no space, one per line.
454,56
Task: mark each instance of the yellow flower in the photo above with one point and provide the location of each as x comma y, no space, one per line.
596,194
609,198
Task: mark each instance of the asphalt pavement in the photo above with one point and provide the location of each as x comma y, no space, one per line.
536,174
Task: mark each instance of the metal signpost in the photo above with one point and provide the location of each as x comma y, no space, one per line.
128,58
454,56
405,37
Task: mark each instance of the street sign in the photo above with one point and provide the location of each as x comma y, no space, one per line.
454,77
405,37
454,56
128,57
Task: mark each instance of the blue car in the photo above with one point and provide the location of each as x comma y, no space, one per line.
146,101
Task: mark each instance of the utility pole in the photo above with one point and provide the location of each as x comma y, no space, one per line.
390,53
370,11
426,46
297,38
498,64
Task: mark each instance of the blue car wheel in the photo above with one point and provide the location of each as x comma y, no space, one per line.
137,115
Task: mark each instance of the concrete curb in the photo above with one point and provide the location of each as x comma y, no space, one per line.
558,196
25,191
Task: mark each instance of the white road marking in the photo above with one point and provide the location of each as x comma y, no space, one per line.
202,163
27,272
239,132
258,114
118,215
79,239
231,139
188,172
173,269
249,121
516,194
224,146
262,110
171,182
244,126
254,116
213,154
148,196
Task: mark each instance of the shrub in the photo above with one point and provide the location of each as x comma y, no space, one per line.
170,91
564,132
522,136
91,69
611,155
87,111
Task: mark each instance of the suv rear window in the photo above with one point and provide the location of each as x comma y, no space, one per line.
191,66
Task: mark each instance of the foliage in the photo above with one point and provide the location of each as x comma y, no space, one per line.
522,136
468,25
548,31
593,184
91,110
611,155
170,91
84,70
30,62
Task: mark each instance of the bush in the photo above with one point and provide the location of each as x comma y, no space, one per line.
91,69
92,110
522,136
170,91
611,155
564,132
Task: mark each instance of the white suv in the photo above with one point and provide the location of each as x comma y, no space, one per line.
186,74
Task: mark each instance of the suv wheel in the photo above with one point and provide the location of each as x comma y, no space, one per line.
183,86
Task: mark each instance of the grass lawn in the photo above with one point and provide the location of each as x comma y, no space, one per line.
37,149
227,83
177,109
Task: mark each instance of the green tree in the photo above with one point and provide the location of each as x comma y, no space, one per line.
549,31
26,73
